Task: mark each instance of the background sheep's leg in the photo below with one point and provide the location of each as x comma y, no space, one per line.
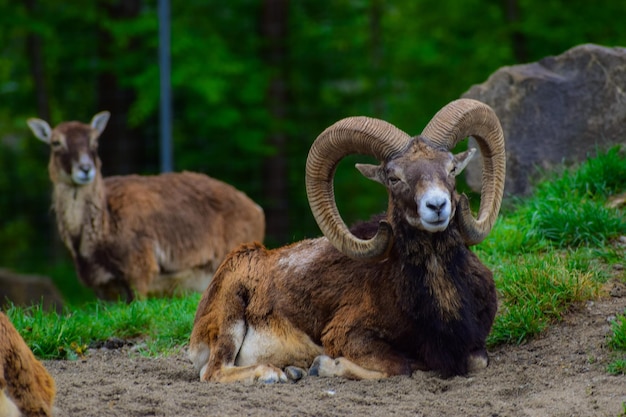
142,271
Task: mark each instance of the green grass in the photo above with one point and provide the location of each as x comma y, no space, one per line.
617,342
570,210
553,250
536,291
161,325
549,252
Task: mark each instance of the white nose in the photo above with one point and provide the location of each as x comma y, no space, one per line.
434,210
437,204
84,171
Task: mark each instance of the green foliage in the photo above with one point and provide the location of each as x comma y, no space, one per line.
20,186
400,61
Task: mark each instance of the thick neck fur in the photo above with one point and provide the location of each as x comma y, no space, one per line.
81,213
431,267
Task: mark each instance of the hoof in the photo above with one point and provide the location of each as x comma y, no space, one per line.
477,360
272,377
319,364
314,370
294,373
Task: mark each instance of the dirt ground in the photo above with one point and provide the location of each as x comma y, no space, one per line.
560,374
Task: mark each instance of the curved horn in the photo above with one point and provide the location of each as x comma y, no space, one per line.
353,135
456,121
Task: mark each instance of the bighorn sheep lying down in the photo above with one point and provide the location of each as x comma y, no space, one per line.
141,235
26,388
384,299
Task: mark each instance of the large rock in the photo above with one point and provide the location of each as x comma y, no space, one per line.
560,109
26,290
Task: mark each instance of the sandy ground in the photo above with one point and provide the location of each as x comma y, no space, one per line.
560,374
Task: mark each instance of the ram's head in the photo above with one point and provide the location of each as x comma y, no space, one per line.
419,173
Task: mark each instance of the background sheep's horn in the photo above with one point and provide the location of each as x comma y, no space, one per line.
453,123
353,135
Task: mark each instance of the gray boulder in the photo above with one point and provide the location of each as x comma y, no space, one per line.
26,290
558,110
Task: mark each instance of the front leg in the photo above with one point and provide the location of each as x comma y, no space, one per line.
359,355
248,374
326,366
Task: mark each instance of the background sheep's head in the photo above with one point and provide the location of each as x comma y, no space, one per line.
73,148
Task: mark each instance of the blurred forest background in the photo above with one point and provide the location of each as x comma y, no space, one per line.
253,83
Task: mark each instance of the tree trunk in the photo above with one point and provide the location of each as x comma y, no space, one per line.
120,146
518,40
274,19
34,50
35,55
376,58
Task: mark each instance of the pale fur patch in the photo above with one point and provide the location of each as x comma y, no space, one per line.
70,208
199,356
300,257
100,275
7,407
279,345
161,256
237,332
256,347
446,295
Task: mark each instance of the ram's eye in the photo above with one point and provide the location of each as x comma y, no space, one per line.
393,179
453,171
55,143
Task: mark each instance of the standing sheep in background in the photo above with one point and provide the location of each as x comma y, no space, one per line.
26,388
141,235
384,299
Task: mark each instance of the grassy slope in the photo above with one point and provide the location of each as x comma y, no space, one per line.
549,253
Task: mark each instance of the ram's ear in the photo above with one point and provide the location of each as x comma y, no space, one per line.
40,128
370,171
462,159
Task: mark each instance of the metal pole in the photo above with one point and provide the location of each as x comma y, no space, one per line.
167,164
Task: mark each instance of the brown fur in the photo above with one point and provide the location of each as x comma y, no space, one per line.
429,305
142,235
25,385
